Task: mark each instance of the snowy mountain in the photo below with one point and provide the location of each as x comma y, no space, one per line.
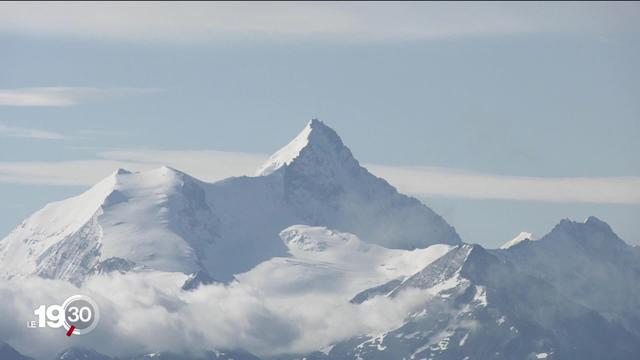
157,219
169,221
314,258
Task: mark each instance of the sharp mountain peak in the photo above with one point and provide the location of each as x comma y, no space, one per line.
316,138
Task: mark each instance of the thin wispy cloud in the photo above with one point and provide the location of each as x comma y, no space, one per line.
444,182
29,133
419,181
65,173
207,165
61,96
189,22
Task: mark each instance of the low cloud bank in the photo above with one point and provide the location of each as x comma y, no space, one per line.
147,312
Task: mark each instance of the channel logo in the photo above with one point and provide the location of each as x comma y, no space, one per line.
78,314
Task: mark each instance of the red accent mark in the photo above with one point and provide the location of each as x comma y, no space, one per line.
70,331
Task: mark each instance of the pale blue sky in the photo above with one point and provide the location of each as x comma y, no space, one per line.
496,90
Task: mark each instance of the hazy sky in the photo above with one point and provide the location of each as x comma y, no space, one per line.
503,117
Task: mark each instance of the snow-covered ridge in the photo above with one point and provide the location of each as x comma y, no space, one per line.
289,152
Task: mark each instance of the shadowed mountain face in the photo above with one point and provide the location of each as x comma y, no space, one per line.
486,306
327,186
588,263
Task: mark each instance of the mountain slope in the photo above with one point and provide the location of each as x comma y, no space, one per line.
484,307
588,263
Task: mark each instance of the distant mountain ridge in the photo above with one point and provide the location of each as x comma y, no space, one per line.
570,295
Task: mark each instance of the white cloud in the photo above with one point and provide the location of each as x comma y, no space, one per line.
29,133
189,22
64,96
421,181
211,317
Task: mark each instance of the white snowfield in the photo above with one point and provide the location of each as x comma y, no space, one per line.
166,220
334,264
